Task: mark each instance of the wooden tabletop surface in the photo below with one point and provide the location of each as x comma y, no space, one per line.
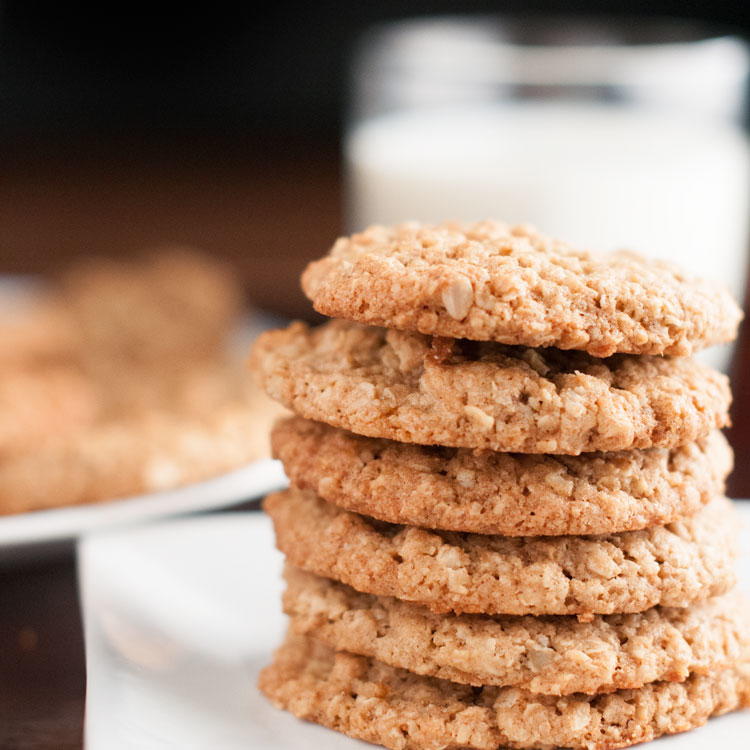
42,671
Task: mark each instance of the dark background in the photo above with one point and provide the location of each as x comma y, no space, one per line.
228,72
125,125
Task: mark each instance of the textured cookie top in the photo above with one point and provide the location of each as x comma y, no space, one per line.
547,655
369,700
493,282
418,389
502,493
674,565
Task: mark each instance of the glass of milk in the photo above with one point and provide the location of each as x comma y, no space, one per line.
607,135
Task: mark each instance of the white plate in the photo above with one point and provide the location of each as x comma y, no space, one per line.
28,533
180,617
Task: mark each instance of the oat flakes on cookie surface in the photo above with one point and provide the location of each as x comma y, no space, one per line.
675,565
417,389
490,281
512,494
545,655
369,700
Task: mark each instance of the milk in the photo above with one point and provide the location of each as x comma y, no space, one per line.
599,176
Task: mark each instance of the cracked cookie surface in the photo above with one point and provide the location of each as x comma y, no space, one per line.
511,494
403,711
511,284
547,655
674,565
416,389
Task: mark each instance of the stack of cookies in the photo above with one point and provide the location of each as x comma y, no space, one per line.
506,523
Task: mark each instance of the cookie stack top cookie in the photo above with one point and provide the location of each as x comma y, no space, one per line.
489,281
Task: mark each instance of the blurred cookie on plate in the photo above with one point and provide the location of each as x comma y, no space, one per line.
121,379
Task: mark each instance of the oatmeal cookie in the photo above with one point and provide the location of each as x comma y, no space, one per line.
403,711
414,389
490,281
511,494
674,565
555,655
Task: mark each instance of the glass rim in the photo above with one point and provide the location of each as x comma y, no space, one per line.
559,31
641,52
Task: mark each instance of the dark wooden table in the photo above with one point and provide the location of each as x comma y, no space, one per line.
42,671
